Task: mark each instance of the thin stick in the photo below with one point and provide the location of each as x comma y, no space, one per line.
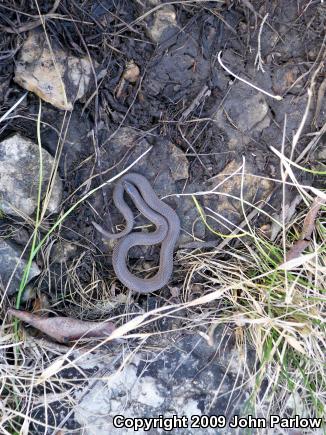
276,97
258,59
12,108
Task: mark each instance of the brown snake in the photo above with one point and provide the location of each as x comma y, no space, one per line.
167,232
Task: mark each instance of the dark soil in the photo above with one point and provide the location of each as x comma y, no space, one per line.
174,102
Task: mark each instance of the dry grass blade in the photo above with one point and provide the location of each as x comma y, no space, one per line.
12,108
36,23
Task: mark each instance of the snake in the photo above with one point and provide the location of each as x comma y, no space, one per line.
167,231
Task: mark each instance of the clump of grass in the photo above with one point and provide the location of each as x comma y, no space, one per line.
278,310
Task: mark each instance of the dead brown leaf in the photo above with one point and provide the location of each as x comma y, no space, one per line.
310,220
297,249
65,329
308,226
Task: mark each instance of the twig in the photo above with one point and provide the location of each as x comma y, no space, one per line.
205,92
258,59
311,144
33,24
191,146
320,97
276,97
297,135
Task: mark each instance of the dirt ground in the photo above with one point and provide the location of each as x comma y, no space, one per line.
163,87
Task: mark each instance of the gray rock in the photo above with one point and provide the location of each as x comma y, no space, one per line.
19,173
180,72
63,251
293,108
285,77
187,378
12,268
192,225
244,114
52,74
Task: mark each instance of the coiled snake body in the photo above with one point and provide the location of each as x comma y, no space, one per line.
167,232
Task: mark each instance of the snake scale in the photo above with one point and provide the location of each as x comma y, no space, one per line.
167,232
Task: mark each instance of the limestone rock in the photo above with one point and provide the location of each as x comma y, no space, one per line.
12,265
51,73
182,381
163,23
19,177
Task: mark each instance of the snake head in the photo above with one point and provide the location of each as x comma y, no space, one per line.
131,189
